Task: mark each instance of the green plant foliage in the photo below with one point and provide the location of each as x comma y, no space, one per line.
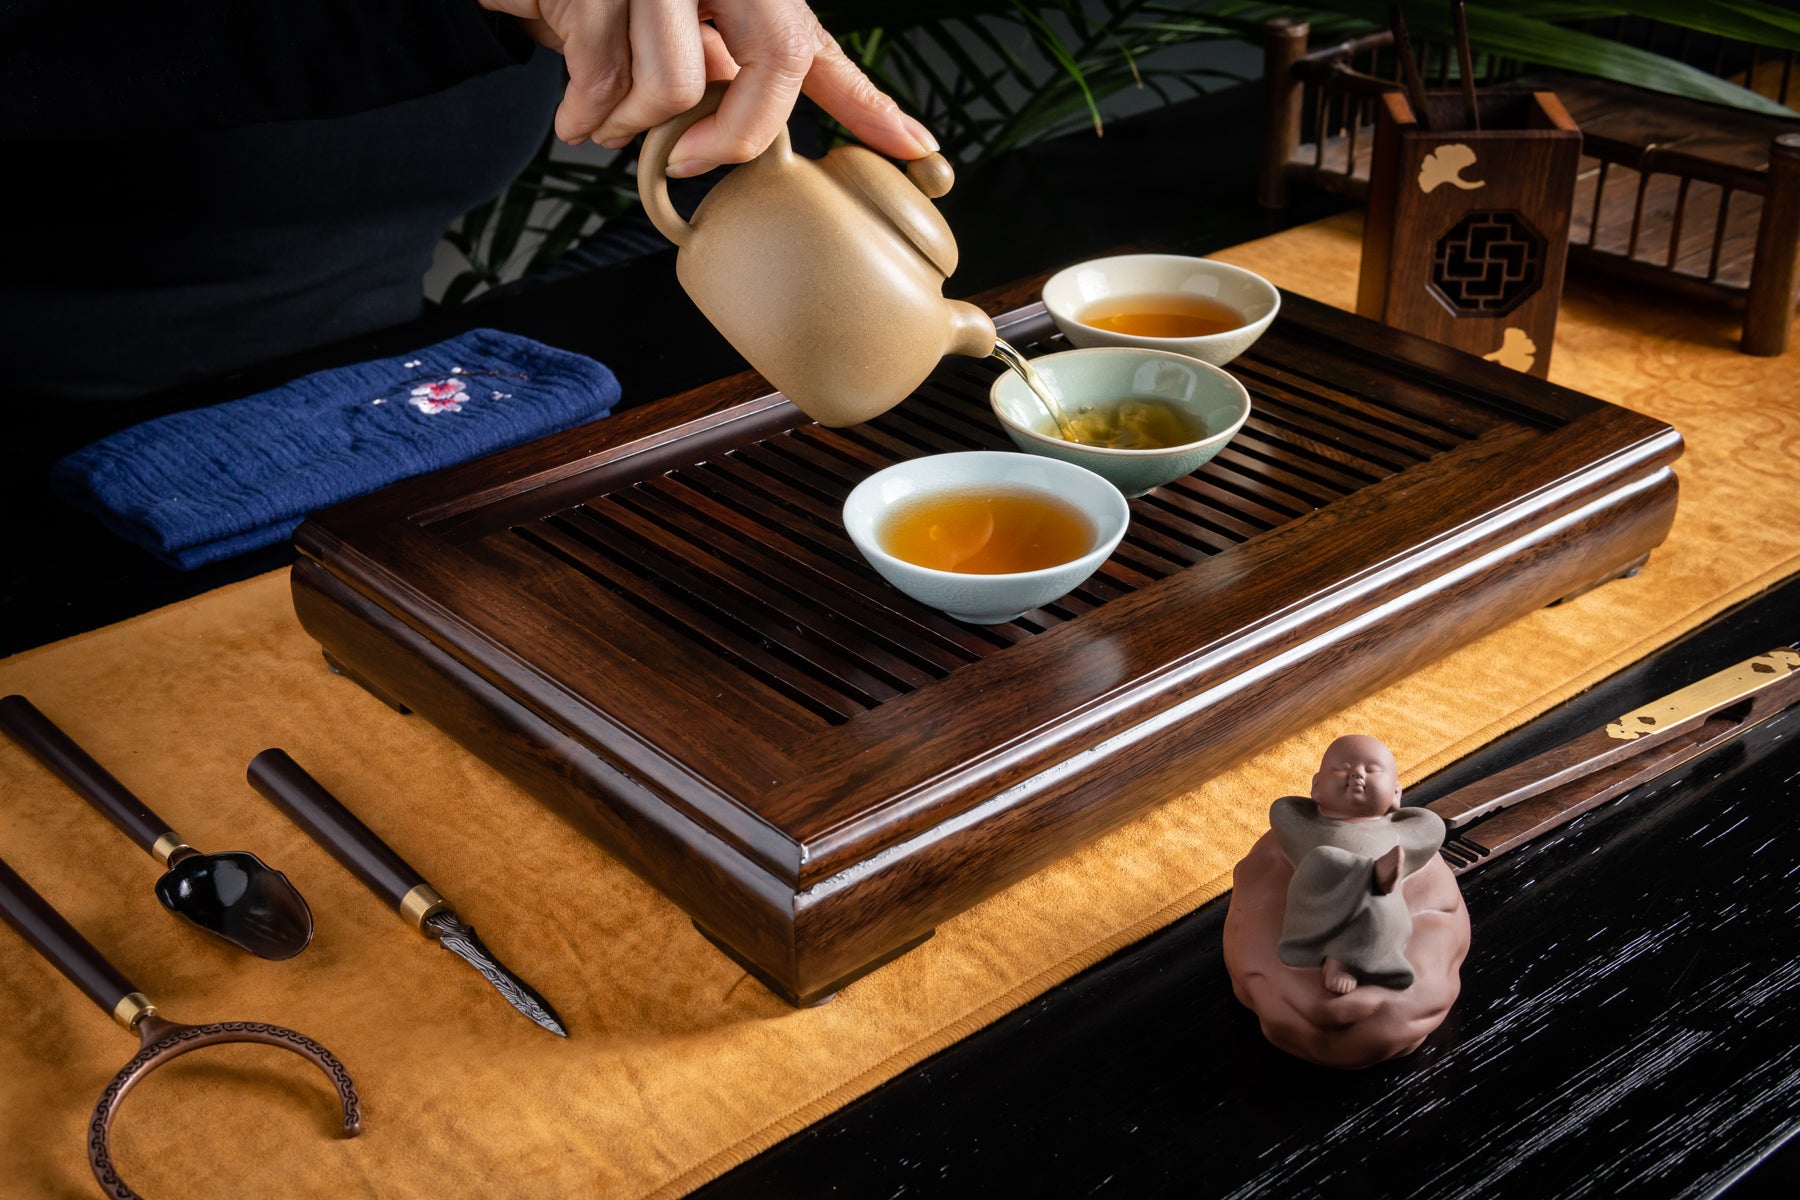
1542,34
548,209
988,76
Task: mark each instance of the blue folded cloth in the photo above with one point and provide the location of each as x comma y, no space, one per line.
199,486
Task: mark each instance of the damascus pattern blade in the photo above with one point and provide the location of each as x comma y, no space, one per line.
459,938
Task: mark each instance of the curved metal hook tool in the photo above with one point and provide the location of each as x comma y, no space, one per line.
162,1040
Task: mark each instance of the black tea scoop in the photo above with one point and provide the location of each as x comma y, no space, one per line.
232,895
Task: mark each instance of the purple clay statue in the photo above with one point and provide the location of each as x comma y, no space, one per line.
1346,931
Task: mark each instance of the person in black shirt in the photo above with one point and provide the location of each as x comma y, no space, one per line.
202,185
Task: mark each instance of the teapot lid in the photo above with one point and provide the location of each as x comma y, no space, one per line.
901,201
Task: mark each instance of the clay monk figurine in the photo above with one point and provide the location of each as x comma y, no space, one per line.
1346,930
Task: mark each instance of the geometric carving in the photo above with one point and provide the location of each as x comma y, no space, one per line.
1488,264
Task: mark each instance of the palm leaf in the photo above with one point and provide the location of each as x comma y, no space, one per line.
1535,39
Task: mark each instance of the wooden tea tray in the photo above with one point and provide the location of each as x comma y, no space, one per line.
657,624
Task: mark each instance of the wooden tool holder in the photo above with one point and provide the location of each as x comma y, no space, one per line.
1468,229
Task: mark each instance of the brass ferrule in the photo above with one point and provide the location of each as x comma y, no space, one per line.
132,1009
421,903
167,846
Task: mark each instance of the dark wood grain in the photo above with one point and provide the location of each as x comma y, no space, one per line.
51,935
662,629
288,786
1749,691
1144,1077
1477,262
57,751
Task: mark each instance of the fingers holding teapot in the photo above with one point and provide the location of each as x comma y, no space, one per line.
634,64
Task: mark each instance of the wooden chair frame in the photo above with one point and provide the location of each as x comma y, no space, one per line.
1658,214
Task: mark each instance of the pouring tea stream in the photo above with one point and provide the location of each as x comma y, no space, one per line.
826,274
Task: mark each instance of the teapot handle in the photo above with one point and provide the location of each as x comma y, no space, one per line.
653,163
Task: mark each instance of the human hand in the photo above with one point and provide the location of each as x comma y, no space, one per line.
633,64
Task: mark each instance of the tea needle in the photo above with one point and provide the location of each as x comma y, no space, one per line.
1465,65
1409,67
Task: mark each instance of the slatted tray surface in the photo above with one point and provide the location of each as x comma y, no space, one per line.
658,624
745,554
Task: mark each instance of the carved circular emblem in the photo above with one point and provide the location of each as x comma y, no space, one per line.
1489,264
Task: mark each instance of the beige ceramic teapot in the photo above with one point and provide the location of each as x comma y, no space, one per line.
826,274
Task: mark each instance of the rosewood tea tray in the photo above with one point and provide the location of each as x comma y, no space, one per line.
657,624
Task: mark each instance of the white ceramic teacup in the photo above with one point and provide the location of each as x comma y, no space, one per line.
1076,290
984,599
1102,376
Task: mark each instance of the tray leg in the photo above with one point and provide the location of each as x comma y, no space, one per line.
817,996
338,668
1625,572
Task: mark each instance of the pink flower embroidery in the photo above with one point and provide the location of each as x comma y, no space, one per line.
442,395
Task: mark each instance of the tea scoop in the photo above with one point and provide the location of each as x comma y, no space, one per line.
232,895
162,1040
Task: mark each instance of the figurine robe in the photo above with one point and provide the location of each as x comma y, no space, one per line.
1336,906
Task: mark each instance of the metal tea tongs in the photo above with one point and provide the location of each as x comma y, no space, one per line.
1511,807
162,1040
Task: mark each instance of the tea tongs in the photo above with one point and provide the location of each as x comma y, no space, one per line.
1510,807
162,1040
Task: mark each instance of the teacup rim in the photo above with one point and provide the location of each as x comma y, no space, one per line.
1272,294
1106,542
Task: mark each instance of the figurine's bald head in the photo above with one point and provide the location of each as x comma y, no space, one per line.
1357,779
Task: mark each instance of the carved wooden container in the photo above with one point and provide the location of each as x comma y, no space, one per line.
658,625
1468,230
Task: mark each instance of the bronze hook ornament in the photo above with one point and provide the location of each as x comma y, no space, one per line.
161,1040
164,1041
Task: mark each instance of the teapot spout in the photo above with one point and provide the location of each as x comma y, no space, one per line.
971,330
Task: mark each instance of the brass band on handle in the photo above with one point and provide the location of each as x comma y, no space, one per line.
420,903
132,1009
167,846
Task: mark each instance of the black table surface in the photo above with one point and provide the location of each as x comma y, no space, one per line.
1630,1015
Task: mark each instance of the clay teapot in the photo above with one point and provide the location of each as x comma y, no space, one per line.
826,274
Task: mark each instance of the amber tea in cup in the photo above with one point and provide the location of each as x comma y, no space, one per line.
1177,315
997,532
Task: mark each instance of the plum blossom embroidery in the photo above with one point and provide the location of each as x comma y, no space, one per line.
440,395
436,394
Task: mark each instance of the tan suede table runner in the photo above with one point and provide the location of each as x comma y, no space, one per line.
679,1066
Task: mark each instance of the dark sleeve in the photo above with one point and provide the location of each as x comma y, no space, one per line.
110,68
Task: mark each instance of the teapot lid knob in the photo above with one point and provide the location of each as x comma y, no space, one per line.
931,174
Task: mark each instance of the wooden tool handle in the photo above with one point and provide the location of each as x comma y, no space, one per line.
57,940
312,808
75,767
